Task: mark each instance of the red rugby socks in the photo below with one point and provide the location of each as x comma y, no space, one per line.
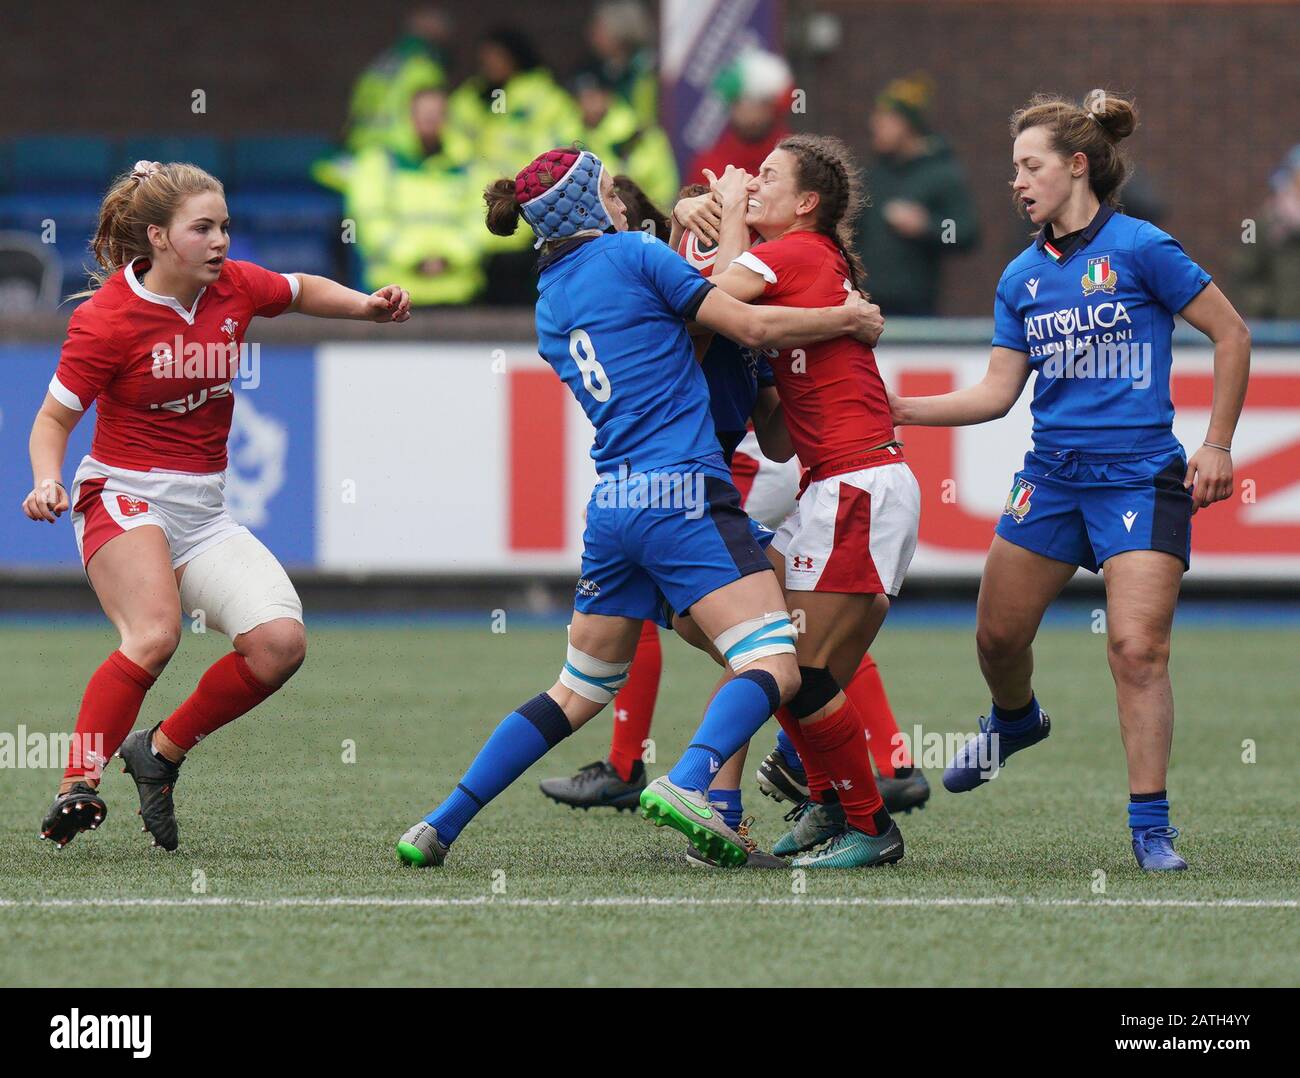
867,692
634,706
108,711
838,744
819,786
227,690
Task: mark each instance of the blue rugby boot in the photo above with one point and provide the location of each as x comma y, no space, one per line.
982,757
1154,849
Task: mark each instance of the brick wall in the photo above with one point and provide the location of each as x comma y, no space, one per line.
1217,87
1217,83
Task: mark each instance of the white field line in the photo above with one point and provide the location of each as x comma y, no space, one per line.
488,902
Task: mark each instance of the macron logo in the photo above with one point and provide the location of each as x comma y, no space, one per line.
77,1030
1129,517
1032,285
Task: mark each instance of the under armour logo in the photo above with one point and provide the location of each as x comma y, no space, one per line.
802,563
842,784
1032,285
620,714
1128,518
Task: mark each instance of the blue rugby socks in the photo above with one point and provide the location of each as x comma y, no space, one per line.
1016,721
1148,810
734,715
729,806
788,752
522,738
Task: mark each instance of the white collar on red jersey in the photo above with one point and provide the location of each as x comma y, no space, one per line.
165,301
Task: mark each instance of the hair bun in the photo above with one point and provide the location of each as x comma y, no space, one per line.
1116,116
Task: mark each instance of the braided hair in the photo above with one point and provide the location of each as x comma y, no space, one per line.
826,165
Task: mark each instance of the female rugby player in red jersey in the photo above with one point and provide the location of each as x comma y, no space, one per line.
156,348
847,547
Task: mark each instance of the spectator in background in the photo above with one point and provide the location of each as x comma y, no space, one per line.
611,130
1268,270
512,109
920,208
504,116
419,219
380,112
621,36
757,88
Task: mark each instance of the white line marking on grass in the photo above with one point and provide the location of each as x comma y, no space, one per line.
382,902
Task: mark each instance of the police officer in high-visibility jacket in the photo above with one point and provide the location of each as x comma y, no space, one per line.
613,132
379,112
512,110
417,216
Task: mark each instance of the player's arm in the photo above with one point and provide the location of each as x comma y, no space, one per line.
787,327
769,426
47,447
323,298
1209,471
990,398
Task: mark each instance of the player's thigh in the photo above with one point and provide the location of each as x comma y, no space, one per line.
689,630
610,638
135,584
1141,593
847,657
238,587
835,625
1016,589
751,596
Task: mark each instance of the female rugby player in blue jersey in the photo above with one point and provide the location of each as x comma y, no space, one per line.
1088,308
664,521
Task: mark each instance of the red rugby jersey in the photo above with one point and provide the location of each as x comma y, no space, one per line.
160,375
834,401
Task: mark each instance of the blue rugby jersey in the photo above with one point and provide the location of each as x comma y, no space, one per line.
1097,326
611,321
734,375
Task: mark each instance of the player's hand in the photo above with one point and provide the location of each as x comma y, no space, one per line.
701,215
730,186
868,322
48,501
1209,477
392,303
908,219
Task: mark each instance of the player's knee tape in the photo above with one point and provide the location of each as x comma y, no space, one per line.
238,585
756,638
817,689
593,678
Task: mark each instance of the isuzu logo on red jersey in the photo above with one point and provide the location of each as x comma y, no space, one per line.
132,507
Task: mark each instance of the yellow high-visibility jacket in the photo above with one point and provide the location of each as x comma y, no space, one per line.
408,211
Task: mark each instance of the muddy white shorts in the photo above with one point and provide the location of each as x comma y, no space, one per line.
768,488
230,578
854,532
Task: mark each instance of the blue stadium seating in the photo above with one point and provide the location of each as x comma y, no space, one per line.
306,210
59,162
293,253
277,161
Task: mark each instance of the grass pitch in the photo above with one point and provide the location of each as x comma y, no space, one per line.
286,873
